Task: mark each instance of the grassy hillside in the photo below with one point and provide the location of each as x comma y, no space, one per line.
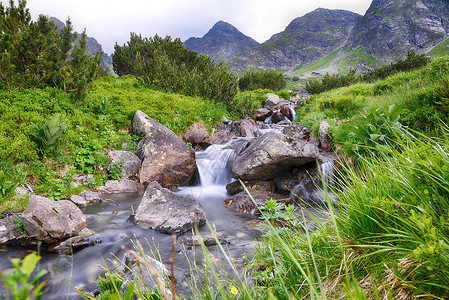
420,95
99,123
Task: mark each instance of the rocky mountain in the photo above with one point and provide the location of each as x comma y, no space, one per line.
221,42
390,28
305,40
92,47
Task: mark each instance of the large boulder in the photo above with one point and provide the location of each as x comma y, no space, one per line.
270,155
49,221
166,158
167,212
129,161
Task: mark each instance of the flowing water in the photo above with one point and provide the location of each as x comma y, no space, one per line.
109,220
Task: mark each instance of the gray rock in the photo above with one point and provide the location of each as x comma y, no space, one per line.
206,239
196,134
166,158
78,200
324,136
243,203
11,234
72,244
236,187
49,221
272,100
21,192
131,163
219,137
277,117
121,186
167,212
262,114
246,128
271,154
92,197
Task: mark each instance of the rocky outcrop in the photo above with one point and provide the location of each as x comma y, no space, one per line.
221,42
128,161
162,210
390,28
305,40
166,158
270,155
49,221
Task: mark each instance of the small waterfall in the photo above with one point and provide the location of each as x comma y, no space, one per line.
327,172
213,163
313,190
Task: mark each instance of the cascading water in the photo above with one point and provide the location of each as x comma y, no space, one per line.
213,163
110,222
314,191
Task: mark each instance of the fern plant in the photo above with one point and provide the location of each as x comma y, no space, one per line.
48,136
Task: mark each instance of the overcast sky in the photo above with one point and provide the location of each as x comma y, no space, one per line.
111,21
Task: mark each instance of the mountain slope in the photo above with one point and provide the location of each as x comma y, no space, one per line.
92,47
390,28
305,40
221,42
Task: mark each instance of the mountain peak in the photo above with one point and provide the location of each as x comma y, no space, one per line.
221,42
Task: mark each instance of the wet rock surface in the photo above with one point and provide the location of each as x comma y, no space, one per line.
164,211
272,154
49,221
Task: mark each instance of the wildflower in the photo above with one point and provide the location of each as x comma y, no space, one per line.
234,290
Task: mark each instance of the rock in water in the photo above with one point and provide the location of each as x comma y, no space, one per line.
166,158
272,154
162,210
49,221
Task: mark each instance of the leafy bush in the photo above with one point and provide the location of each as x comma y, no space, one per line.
267,79
377,128
167,64
37,55
329,82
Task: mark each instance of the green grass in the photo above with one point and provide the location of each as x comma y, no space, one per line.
440,50
319,64
421,93
97,124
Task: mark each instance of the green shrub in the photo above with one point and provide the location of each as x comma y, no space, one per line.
267,79
35,54
167,64
329,82
376,128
